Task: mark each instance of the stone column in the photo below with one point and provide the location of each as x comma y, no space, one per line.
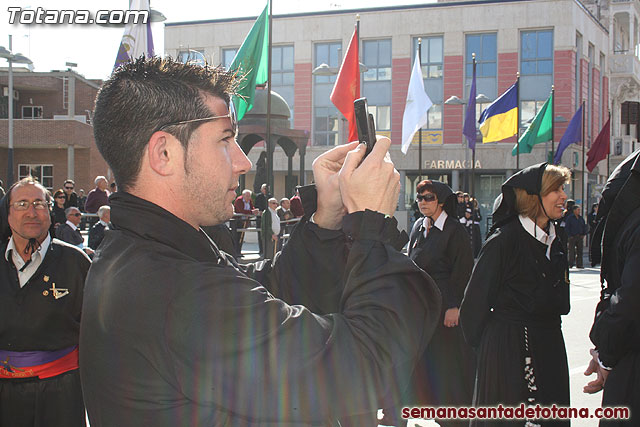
70,162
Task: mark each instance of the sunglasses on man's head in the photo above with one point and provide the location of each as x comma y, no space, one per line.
76,214
426,197
68,188
231,115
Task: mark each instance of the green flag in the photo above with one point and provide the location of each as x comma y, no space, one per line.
539,131
251,63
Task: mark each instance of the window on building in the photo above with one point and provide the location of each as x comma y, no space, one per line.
31,112
43,173
432,63
192,56
282,77
485,48
376,85
528,110
536,52
326,117
227,56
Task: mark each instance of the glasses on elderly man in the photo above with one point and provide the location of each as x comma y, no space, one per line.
426,198
231,115
23,205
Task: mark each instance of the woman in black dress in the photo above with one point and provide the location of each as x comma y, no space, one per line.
518,291
440,246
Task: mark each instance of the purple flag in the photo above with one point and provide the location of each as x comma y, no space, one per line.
469,129
572,135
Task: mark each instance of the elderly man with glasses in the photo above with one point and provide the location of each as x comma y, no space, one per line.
41,290
176,333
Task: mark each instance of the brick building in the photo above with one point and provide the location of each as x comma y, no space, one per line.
53,137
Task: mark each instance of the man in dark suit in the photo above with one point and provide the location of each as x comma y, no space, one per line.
96,234
69,231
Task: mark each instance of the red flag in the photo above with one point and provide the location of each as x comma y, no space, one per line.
347,87
600,147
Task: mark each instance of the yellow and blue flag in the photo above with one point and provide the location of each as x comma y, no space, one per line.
500,119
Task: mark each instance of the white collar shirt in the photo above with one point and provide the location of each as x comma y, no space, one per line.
26,269
439,223
275,222
538,233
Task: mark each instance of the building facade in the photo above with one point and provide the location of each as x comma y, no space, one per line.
564,44
53,138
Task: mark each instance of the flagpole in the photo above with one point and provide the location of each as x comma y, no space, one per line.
609,151
584,143
518,123
473,152
553,120
420,130
270,181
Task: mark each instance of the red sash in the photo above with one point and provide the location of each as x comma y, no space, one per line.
45,370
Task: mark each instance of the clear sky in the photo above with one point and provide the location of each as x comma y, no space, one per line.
94,47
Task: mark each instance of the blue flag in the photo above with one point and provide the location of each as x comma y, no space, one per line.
572,135
469,129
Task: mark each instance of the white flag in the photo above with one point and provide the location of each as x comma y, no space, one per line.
137,39
418,104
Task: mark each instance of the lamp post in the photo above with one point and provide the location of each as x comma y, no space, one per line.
18,59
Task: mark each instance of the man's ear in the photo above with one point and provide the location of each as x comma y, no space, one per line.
164,152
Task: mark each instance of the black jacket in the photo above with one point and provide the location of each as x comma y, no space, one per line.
175,333
67,234
446,256
31,319
71,200
96,234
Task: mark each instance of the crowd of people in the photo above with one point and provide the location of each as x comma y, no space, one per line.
274,220
164,327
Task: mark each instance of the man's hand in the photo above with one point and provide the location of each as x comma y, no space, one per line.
372,183
451,317
274,237
594,367
89,251
255,212
325,172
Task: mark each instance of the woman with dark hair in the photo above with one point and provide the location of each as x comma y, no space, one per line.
440,246
518,291
57,211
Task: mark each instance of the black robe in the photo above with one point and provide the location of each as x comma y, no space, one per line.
31,319
175,333
445,375
616,329
516,293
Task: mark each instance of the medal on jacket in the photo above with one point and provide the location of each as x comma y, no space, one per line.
58,292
